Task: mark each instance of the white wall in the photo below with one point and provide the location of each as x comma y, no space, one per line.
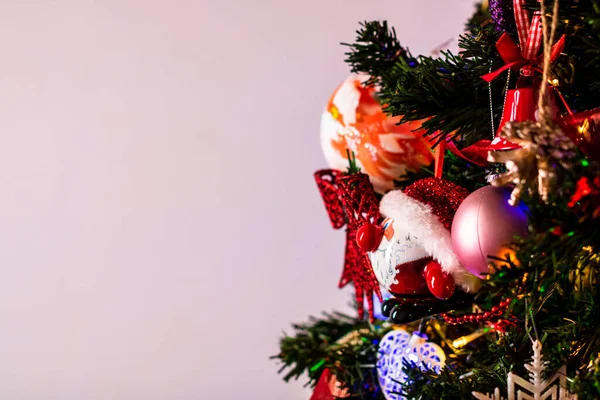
159,223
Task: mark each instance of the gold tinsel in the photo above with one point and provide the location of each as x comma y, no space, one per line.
535,166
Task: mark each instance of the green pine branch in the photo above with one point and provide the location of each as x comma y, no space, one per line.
315,346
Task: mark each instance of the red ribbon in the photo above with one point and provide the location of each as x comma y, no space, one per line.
475,154
530,38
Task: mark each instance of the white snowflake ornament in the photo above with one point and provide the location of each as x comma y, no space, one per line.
398,346
536,388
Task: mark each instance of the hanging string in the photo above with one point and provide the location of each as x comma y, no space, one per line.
545,110
506,86
503,103
491,106
548,38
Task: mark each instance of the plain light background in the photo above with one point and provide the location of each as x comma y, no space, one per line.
159,223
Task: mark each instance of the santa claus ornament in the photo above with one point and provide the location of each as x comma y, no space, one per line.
411,251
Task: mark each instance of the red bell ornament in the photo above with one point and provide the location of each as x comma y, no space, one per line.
520,106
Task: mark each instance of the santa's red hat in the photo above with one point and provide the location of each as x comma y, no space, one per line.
426,208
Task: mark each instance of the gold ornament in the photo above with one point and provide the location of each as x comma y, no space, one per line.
533,167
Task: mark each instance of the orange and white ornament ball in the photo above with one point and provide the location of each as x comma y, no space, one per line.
354,120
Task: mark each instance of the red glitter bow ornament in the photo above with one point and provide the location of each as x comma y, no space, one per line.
350,200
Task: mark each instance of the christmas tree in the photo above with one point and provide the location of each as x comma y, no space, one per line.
469,188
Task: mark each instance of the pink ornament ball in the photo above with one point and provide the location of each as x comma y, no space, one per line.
483,223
